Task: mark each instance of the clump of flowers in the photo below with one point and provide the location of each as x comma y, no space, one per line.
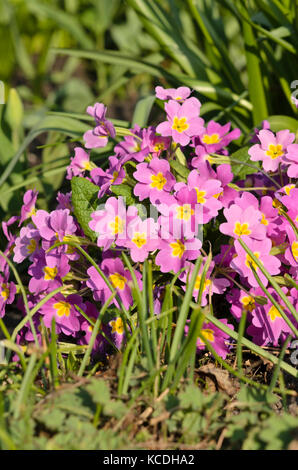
168,197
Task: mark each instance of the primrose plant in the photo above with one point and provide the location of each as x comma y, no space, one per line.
166,228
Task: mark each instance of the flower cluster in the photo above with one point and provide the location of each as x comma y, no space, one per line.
181,190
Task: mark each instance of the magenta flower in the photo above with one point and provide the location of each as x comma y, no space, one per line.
65,313
211,285
11,240
181,215
119,277
142,238
243,262
86,329
99,136
27,244
183,121
7,291
47,272
155,143
215,136
28,208
174,252
216,337
291,159
64,201
179,94
243,222
79,163
208,191
111,222
113,175
54,226
133,147
270,320
117,331
271,149
155,180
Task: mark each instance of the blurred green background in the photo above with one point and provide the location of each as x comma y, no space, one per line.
59,56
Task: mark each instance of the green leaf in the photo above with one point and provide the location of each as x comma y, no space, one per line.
142,111
85,201
179,168
125,191
279,123
239,170
99,391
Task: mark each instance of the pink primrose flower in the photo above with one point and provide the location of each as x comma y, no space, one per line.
271,149
113,175
79,163
179,94
27,244
183,121
155,180
214,137
65,313
99,136
28,208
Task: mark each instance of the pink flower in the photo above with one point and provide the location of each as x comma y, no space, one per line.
113,175
27,244
132,147
79,163
99,136
47,272
111,222
142,238
291,159
243,222
215,136
174,252
210,286
215,336
271,149
28,208
183,122
65,313
179,94
155,143
7,291
155,180
119,277
270,320
261,249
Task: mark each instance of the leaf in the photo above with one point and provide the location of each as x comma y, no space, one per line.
99,391
179,168
240,170
142,111
85,201
125,191
279,123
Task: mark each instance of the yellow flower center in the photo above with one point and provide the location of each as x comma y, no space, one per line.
273,313
241,229
31,247
115,176
32,212
5,291
62,308
177,249
118,281
117,226
159,146
139,239
248,303
288,188
158,181
49,273
180,125
264,221
207,283
211,139
200,196
250,262
295,250
274,151
208,334
87,166
184,212
117,326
